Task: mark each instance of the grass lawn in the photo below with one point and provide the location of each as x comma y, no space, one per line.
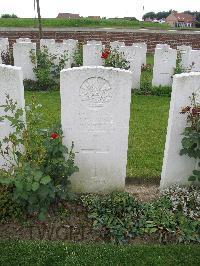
56,253
83,22
147,133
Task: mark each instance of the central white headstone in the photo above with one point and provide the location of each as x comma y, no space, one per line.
11,83
95,111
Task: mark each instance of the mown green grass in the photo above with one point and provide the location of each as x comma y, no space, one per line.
147,132
82,22
57,253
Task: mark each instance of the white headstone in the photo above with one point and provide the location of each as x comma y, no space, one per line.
143,47
164,65
116,45
11,83
194,61
71,42
162,45
133,55
21,53
95,111
92,55
57,49
94,42
4,47
46,42
185,55
23,40
72,46
176,169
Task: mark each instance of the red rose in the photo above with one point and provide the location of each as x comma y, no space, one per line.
54,135
105,54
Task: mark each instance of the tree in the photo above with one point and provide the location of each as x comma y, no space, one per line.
37,2
151,15
9,16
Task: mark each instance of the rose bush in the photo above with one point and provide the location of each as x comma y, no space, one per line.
37,165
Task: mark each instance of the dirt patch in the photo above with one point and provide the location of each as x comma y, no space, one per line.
144,193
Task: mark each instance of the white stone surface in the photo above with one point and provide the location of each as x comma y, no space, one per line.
95,111
116,45
194,61
94,42
23,40
71,47
162,45
176,169
185,56
72,42
21,54
92,55
133,54
4,47
164,65
46,42
11,83
143,47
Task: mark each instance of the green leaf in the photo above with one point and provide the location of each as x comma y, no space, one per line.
45,180
35,186
42,216
192,178
37,175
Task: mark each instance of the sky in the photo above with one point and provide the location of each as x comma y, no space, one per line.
103,8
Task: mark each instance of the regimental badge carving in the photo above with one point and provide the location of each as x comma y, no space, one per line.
95,92
197,96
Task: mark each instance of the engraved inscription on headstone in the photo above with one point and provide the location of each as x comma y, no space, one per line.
95,92
95,110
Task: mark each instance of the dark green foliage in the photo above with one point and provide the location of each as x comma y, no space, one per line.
119,217
9,209
9,16
116,216
158,15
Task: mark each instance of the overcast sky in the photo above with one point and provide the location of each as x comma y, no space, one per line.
103,8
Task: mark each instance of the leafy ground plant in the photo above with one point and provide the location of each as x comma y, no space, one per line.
119,217
37,165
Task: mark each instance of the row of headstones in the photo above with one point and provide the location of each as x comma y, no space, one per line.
95,112
165,58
